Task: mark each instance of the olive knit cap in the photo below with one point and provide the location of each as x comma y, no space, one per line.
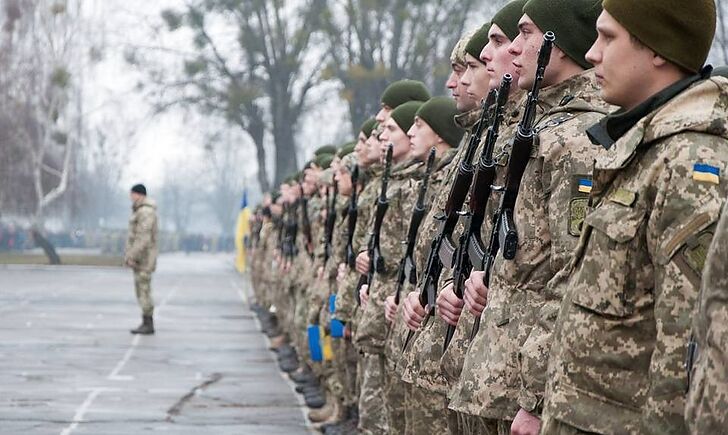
326,149
403,91
439,113
478,41
680,31
346,149
458,52
508,17
404,115
323,161
573,21
368,126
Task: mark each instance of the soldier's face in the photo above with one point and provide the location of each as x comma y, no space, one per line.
524,50
374,147
398,138
360,149
384,114
343,178
623,67
463,101
475,79
498,58
423,138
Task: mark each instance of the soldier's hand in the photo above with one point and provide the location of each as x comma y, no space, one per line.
449,306
362,263
341,272
320,273
347,332
364,295
476,293
525,423
390,309
412,311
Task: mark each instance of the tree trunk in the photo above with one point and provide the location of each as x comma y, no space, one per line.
285,149
48,248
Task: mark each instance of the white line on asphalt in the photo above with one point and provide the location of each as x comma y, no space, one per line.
81,411
114,375
243,294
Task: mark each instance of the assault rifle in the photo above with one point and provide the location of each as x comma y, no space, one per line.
407,270
503,235
376,260
449,217
306,222
353,214
330,223
480,191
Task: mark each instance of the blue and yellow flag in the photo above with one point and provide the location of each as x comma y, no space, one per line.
242,232
706,173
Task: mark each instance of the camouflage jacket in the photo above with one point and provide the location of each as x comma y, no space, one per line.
546,215
629,292
346,305
707,402
409,365
372,328
141,240
451,363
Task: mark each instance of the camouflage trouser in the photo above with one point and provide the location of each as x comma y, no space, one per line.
344,375
299,332
372,412
476,425
551,426
143,288
426,411
394,398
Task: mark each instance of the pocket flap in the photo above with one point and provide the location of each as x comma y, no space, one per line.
618,222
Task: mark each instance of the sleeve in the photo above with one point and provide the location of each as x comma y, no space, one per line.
680,230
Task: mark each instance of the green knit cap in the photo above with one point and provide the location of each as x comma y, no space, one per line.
404,115
368,127
478,41
681,31
508,17
573,21
323,161
403,91
326,149
439,113
346,149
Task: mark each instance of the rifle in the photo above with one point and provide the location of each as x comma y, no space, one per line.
449,217
503,235
376,260
330,223
407,269
306,222
353,214
480,191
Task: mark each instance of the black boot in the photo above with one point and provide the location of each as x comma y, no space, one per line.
146,328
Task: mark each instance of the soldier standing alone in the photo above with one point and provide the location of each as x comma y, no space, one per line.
141,253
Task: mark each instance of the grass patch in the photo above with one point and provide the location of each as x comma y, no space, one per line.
66,260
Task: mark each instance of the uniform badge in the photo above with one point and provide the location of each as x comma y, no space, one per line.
585,185
706,173
581,187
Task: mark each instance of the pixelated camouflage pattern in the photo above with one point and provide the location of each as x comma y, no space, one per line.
141,240
426,413
707,401
372,411
490,382
372,329
619,346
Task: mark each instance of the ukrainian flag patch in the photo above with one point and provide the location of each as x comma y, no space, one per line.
585,185
706,173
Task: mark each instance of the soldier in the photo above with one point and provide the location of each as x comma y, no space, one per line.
547,215
141,253
426,398
617,360
707,402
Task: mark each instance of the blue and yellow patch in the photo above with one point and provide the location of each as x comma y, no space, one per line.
585,185
706,173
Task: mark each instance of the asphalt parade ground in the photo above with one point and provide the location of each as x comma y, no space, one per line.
68,364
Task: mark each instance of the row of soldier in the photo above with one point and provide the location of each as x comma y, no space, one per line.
526,256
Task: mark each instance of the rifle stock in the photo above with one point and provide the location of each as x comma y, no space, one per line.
352,215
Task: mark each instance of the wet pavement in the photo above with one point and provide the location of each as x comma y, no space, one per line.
68,364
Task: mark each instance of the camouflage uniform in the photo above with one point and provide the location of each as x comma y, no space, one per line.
372,326
707,402
616,364
141,251
418,412
547,215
